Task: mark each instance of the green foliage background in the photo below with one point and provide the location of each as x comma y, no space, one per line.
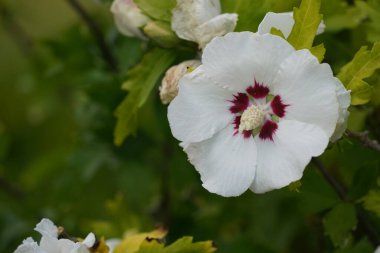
58,159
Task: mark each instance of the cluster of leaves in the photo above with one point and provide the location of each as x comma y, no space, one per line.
154,242
56,124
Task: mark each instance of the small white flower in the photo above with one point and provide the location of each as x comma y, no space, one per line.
129,18
169,85
282,21
200,20
29,246
254,113
377,250
50,243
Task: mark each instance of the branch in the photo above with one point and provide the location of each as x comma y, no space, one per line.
17,33
363,223
97,33
364,139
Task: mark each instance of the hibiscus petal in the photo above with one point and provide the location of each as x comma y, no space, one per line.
283,21
47,228
344,100
29,246
283,160
226,162
308,88
236,60
200,109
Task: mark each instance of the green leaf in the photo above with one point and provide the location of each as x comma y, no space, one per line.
159,9
347,17
186,245
371,201
140,82
277,32
183,245
306,22
339,223
362,66
372,10
250,12
161,33
319,52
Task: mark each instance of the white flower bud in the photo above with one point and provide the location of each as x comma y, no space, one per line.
129,18
200,21
169,85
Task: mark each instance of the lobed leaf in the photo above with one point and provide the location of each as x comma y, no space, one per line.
339,223
183,245
140,82
319,51
306,22
362,66
371,201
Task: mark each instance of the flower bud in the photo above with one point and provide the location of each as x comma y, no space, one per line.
129,18
169,85
201,21
161,33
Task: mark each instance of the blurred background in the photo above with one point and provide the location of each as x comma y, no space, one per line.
58,160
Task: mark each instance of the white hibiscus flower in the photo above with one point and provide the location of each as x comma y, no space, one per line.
254,113
129,18
282,21
200,20
50,243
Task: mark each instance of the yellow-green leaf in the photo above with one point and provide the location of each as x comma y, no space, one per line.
183,245
140,82
363,65
371,201
186,245
319,51
306,22
134,241
277,32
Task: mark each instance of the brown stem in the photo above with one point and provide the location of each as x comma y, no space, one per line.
364,139
162,211
97,33
363,221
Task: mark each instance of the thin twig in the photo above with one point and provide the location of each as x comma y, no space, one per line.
363,222
340,190
364,139
97,33
162,210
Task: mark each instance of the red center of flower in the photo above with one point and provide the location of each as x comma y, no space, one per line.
257,112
